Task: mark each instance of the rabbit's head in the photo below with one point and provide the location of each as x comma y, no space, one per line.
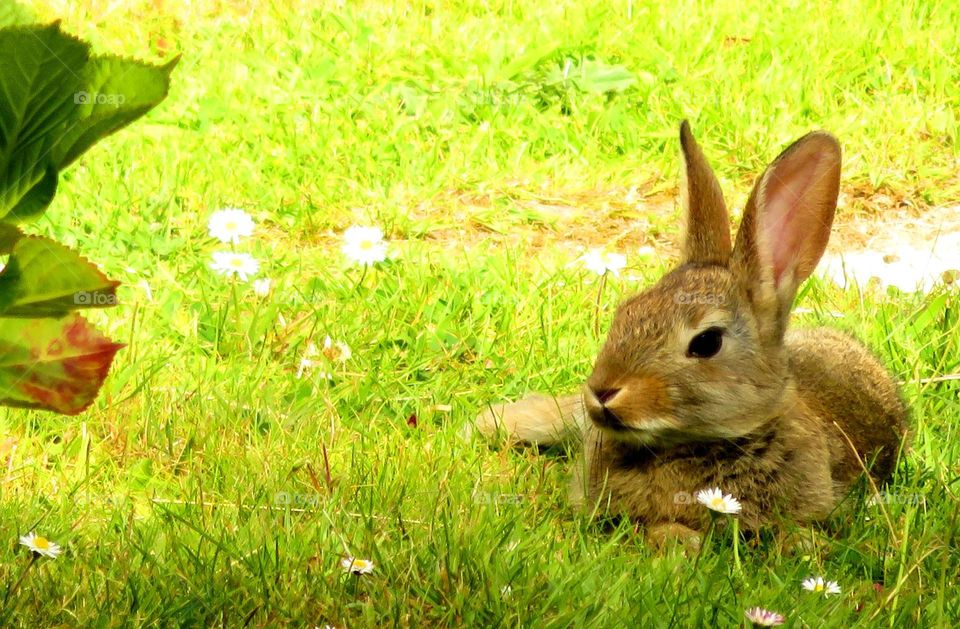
699,356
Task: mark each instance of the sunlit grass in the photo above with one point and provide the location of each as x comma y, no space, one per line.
210,485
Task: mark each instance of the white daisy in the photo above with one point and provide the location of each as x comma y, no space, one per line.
261,287
601,262
763,617
338,351
41,545
364,245
716,500
230,225
817,584
228,263
356,566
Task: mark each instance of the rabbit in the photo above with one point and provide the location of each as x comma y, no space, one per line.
699,384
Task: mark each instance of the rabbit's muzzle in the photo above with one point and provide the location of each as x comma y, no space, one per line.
596,402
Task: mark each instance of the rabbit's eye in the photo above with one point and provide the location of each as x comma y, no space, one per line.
706,344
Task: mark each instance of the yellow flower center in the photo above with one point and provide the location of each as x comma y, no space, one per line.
366,245
818,587
236,263
716,503
41,542
230,226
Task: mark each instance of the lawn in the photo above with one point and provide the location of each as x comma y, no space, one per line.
219,480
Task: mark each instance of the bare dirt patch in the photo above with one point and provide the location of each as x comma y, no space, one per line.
892,240
905,247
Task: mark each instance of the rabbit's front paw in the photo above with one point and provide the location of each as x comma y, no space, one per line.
660,536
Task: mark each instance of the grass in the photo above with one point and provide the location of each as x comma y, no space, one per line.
209,485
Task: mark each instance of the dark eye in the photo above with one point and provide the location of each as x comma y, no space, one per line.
706,344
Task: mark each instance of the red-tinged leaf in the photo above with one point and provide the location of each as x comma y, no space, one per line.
53,364
45,279
412,420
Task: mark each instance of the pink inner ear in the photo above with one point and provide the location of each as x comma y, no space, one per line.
795,218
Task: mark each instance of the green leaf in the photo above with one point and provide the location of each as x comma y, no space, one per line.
591,76
53,364
116,92
55,103
9,235
37,198
46,279
596,77
39,77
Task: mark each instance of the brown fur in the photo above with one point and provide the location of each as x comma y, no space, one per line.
771,417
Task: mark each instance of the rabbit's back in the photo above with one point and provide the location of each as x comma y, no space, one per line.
854,396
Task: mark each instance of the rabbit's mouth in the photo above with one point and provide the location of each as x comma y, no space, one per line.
604,418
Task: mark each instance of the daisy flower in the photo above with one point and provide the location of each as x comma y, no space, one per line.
261,287
356,566
338,351
716,500
229,225
763,617
817,584
601,262
41,545
364,245
241,265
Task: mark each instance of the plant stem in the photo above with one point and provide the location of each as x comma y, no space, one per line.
16,586
736,546
363,274
596,311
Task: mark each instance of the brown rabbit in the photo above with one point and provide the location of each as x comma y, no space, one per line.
699,385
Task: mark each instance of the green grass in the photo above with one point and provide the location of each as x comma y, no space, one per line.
210,486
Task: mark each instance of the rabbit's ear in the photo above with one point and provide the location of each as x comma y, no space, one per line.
707,235
786,224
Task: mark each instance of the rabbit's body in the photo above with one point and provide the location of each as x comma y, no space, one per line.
798,465
698,385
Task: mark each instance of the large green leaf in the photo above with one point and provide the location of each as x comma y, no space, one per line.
40,69
45,279
9,235
55,103
53,364
117,92
37,198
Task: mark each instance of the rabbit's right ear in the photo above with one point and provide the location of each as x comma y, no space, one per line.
706,238
785,227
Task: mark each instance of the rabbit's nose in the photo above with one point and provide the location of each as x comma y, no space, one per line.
604,395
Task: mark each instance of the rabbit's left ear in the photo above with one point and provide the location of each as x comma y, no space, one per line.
706,237
786,224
